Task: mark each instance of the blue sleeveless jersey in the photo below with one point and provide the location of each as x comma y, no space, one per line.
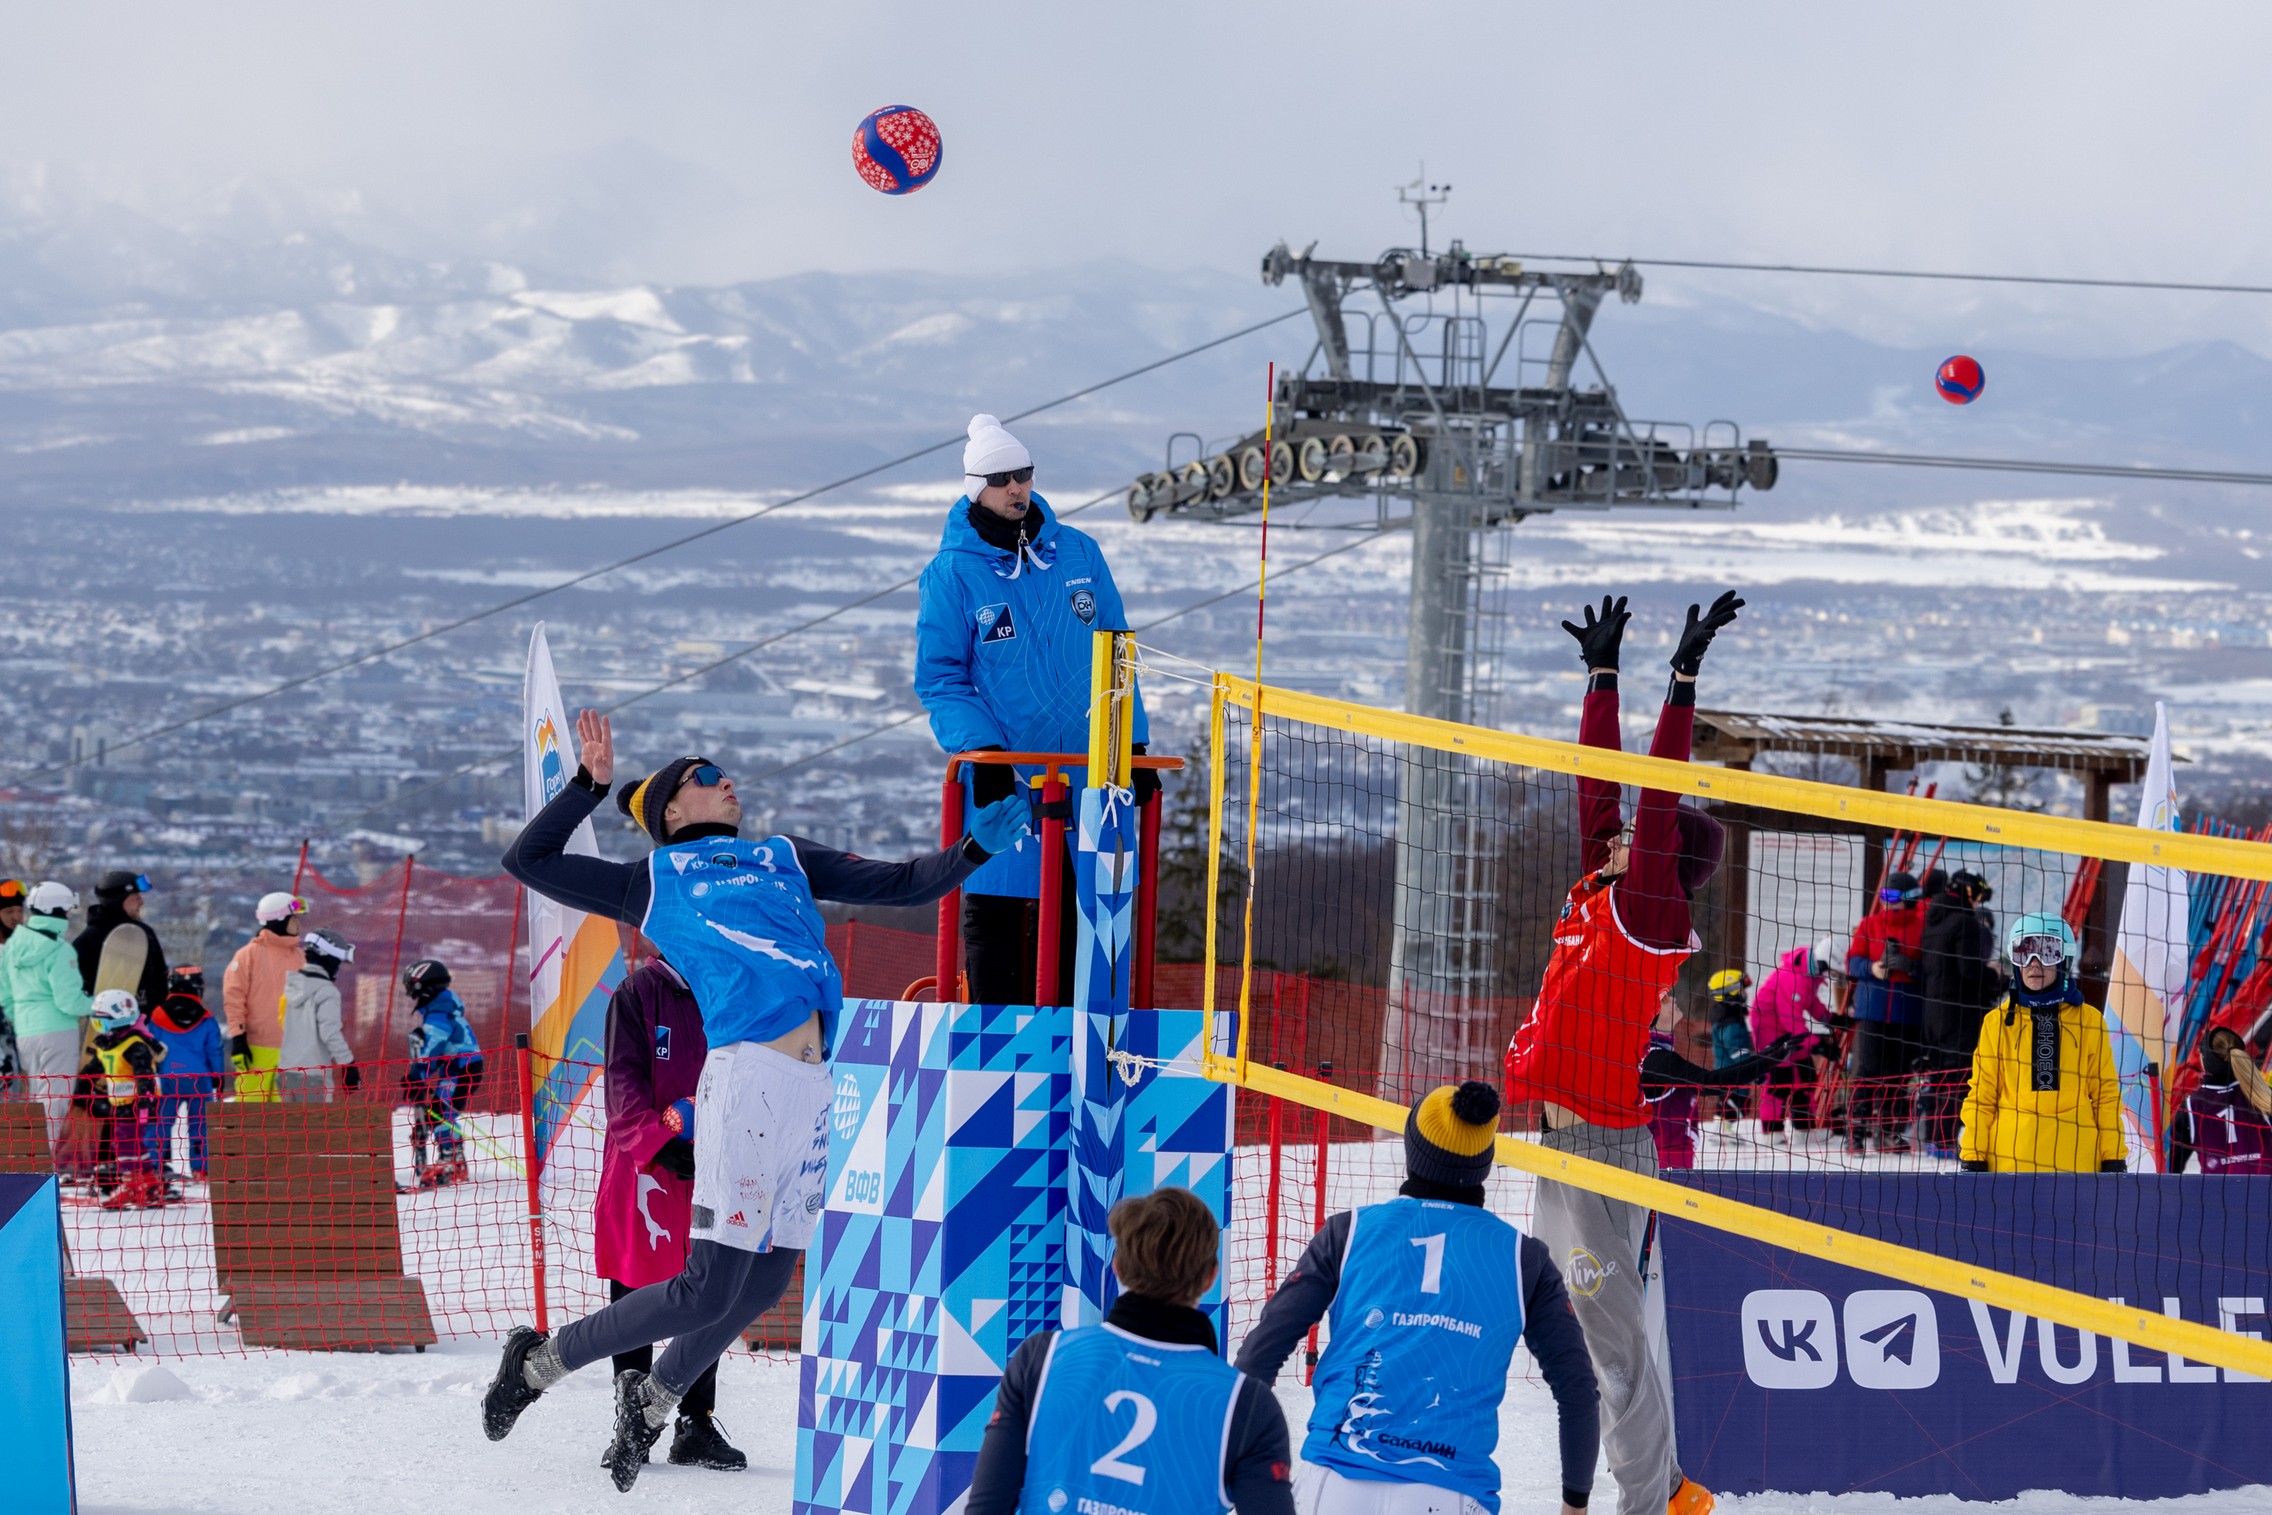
1126,1426
737,920
1424,1325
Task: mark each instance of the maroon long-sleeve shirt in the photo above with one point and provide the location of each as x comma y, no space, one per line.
1650,902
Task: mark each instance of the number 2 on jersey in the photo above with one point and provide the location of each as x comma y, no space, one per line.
1432,1262
1147,1416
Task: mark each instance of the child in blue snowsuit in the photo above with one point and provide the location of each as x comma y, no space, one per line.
445,1073
193,1065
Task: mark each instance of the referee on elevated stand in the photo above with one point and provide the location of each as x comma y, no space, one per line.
1003,642
1623,934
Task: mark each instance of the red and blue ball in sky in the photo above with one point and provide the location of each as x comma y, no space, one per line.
1960,380
897,149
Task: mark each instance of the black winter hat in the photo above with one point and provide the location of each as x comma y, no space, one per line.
121,882
645,801
1449,1135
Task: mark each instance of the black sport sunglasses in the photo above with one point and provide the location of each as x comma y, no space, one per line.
1014,476
703,776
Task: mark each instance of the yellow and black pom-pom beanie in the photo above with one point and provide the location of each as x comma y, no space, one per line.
645,801
1449,1134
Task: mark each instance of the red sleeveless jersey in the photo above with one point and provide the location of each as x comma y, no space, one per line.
1582,1043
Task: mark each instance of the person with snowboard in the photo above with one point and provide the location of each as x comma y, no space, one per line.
739,920
117,949
1624,932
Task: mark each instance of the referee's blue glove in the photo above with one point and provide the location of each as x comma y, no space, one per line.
998,827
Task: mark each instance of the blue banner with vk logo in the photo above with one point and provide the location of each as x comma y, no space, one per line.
1800,1376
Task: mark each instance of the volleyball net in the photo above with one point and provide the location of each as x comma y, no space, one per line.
1418,875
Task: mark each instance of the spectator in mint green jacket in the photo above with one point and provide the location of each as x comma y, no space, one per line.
46,999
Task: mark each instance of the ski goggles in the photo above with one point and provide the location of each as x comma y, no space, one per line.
703,776
1014,476
1899,896
2039,952
141,883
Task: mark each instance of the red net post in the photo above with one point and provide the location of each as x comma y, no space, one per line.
1052,883
950,905
394,961
524,1062
1147,907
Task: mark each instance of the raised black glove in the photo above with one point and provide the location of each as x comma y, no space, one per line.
240,1052
1146,781
2114,1165
992,781
1601,635
350,1075
677,1156
1786,1046
1702,626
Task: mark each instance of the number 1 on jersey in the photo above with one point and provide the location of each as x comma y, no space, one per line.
1432,1262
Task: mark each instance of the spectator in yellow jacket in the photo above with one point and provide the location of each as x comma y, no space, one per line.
2045,1096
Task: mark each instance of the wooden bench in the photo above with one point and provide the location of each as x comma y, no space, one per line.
306,1240
95,1313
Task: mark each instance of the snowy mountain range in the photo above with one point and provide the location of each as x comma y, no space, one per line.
256,341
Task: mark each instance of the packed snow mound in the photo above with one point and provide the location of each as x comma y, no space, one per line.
143,1384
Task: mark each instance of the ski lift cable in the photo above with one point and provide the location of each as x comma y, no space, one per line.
2186,286
513,753
373,654
2024,465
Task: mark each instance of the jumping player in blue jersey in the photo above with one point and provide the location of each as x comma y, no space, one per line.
737,919
1427,1295
1136,1416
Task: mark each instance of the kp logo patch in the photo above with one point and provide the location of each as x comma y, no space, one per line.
1085,606
662,1044
996,624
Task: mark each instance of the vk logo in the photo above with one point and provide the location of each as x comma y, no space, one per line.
1893,1339
1790,1339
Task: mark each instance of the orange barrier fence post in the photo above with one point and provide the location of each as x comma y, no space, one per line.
394,963
526,1061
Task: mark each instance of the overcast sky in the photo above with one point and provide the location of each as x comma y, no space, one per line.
2070,138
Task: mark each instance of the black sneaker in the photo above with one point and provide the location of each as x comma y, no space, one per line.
509,1392
634,1437
698,1443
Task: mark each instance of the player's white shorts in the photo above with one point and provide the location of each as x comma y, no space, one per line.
760,1148
1321,1491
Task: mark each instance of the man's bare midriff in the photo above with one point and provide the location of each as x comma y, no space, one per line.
803,1044
1558,1116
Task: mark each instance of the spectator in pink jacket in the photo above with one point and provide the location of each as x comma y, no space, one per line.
1789,1003
655,1052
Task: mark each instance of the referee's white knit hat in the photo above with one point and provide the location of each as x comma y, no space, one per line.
991,449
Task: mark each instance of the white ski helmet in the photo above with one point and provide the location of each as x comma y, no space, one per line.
1827,958
278,906
115,1008
52,898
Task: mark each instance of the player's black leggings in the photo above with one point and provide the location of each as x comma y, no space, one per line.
702,1399
717,1296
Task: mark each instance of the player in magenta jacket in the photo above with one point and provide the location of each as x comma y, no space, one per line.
655,1052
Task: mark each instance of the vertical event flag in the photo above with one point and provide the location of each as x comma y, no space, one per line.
575,960
2146,985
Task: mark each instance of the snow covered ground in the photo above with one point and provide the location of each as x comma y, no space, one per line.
291,1433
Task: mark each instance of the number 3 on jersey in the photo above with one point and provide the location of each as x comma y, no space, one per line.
1147,1416
1431,1263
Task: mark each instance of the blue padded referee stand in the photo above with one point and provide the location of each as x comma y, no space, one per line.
35,1390
973,1153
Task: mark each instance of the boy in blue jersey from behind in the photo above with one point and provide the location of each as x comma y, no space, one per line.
1427,1295
1137,1416
738,921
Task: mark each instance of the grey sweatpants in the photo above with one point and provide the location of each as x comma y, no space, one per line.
717,1296
304,1086
51,1063
1597,1244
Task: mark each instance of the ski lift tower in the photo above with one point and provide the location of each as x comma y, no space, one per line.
1435,396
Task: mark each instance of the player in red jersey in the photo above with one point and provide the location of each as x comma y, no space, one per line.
1623,934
